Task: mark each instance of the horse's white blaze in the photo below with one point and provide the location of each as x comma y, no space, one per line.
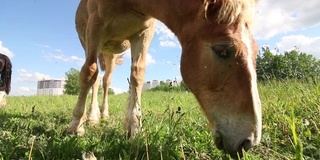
246,38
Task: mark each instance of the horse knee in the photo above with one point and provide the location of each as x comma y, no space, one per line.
137,75
88,74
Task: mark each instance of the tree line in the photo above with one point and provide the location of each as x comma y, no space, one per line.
72,86
269,66
289,65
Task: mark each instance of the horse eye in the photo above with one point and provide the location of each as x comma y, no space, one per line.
224,51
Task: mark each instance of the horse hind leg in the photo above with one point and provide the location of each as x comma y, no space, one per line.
109,58
109,65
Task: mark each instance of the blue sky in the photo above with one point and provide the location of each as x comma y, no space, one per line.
40,38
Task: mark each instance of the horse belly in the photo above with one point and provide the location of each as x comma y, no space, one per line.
120,23
115,46
122,27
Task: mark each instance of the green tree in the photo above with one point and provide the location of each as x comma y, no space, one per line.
182,87
264,59
72,86
111,91
290,65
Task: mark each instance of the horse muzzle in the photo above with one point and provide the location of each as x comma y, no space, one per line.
235,146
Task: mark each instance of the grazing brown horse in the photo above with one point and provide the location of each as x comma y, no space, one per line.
5,79
217,61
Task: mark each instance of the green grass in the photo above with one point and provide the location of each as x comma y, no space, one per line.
173,127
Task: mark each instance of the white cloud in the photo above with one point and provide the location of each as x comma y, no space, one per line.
127,53
5,51
309,45
58,50
24,89
276,16
57,55
65,58
168,43
166,37
149,58
26,76
76,58
118,90
43,45
26,81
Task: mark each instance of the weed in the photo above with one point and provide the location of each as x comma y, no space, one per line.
173,127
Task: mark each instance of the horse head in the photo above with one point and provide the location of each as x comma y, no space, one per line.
218,65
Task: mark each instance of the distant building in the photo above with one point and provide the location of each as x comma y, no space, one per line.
154,83
50,87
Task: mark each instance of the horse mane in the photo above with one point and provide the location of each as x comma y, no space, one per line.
231,11
6,74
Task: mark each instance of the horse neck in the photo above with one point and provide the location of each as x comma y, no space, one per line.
173,13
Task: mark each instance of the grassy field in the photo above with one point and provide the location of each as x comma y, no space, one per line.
173,127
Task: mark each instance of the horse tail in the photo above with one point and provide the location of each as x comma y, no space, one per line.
102,62
118,60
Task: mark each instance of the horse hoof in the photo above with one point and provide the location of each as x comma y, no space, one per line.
93,122
78,132
105,116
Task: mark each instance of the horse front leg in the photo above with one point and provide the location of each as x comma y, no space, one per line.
94,111
89,71
139,46
87,77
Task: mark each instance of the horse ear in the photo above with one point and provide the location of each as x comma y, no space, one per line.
213,1
210,7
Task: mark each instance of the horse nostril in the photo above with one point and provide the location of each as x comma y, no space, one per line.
218,140
246,145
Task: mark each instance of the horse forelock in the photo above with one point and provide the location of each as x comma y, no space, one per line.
231,11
